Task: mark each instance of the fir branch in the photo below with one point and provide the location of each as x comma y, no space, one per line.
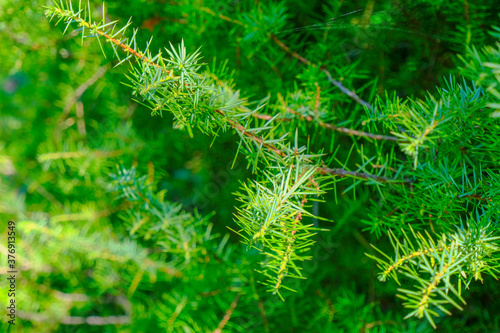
450,138
273,206
309,118
159,90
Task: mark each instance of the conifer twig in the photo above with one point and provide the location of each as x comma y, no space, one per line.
297,56
339,129
93,27
362,175
321,170
194,103
334,82
126,48
331,127
228,314
234,124
82,88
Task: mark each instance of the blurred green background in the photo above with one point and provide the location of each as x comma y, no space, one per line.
67,121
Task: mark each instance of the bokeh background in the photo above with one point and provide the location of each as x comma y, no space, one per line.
67,121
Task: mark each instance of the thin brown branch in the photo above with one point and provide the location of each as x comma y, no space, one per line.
267,117
333,127
289,51
319,122
321,170
324,70
344,129
71,100
253,137
228,314
81,118
358,133
81,89
346,91
298,217
124,47
328,302
361,175
222,17
263,314
466,13
210,293
297,56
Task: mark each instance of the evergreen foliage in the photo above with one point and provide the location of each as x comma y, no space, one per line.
413,172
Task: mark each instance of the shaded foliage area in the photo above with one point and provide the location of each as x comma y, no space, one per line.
295,114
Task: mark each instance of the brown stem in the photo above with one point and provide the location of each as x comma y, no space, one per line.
236,125
296,56
124,47
71,100
362,175
344,129
228,314
324,70
255,138
222,17
321,170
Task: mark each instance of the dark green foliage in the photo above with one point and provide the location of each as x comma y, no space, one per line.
311,130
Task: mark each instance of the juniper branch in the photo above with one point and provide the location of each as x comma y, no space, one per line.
334,82
322,170
462,255
320,123
297,56
174,84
